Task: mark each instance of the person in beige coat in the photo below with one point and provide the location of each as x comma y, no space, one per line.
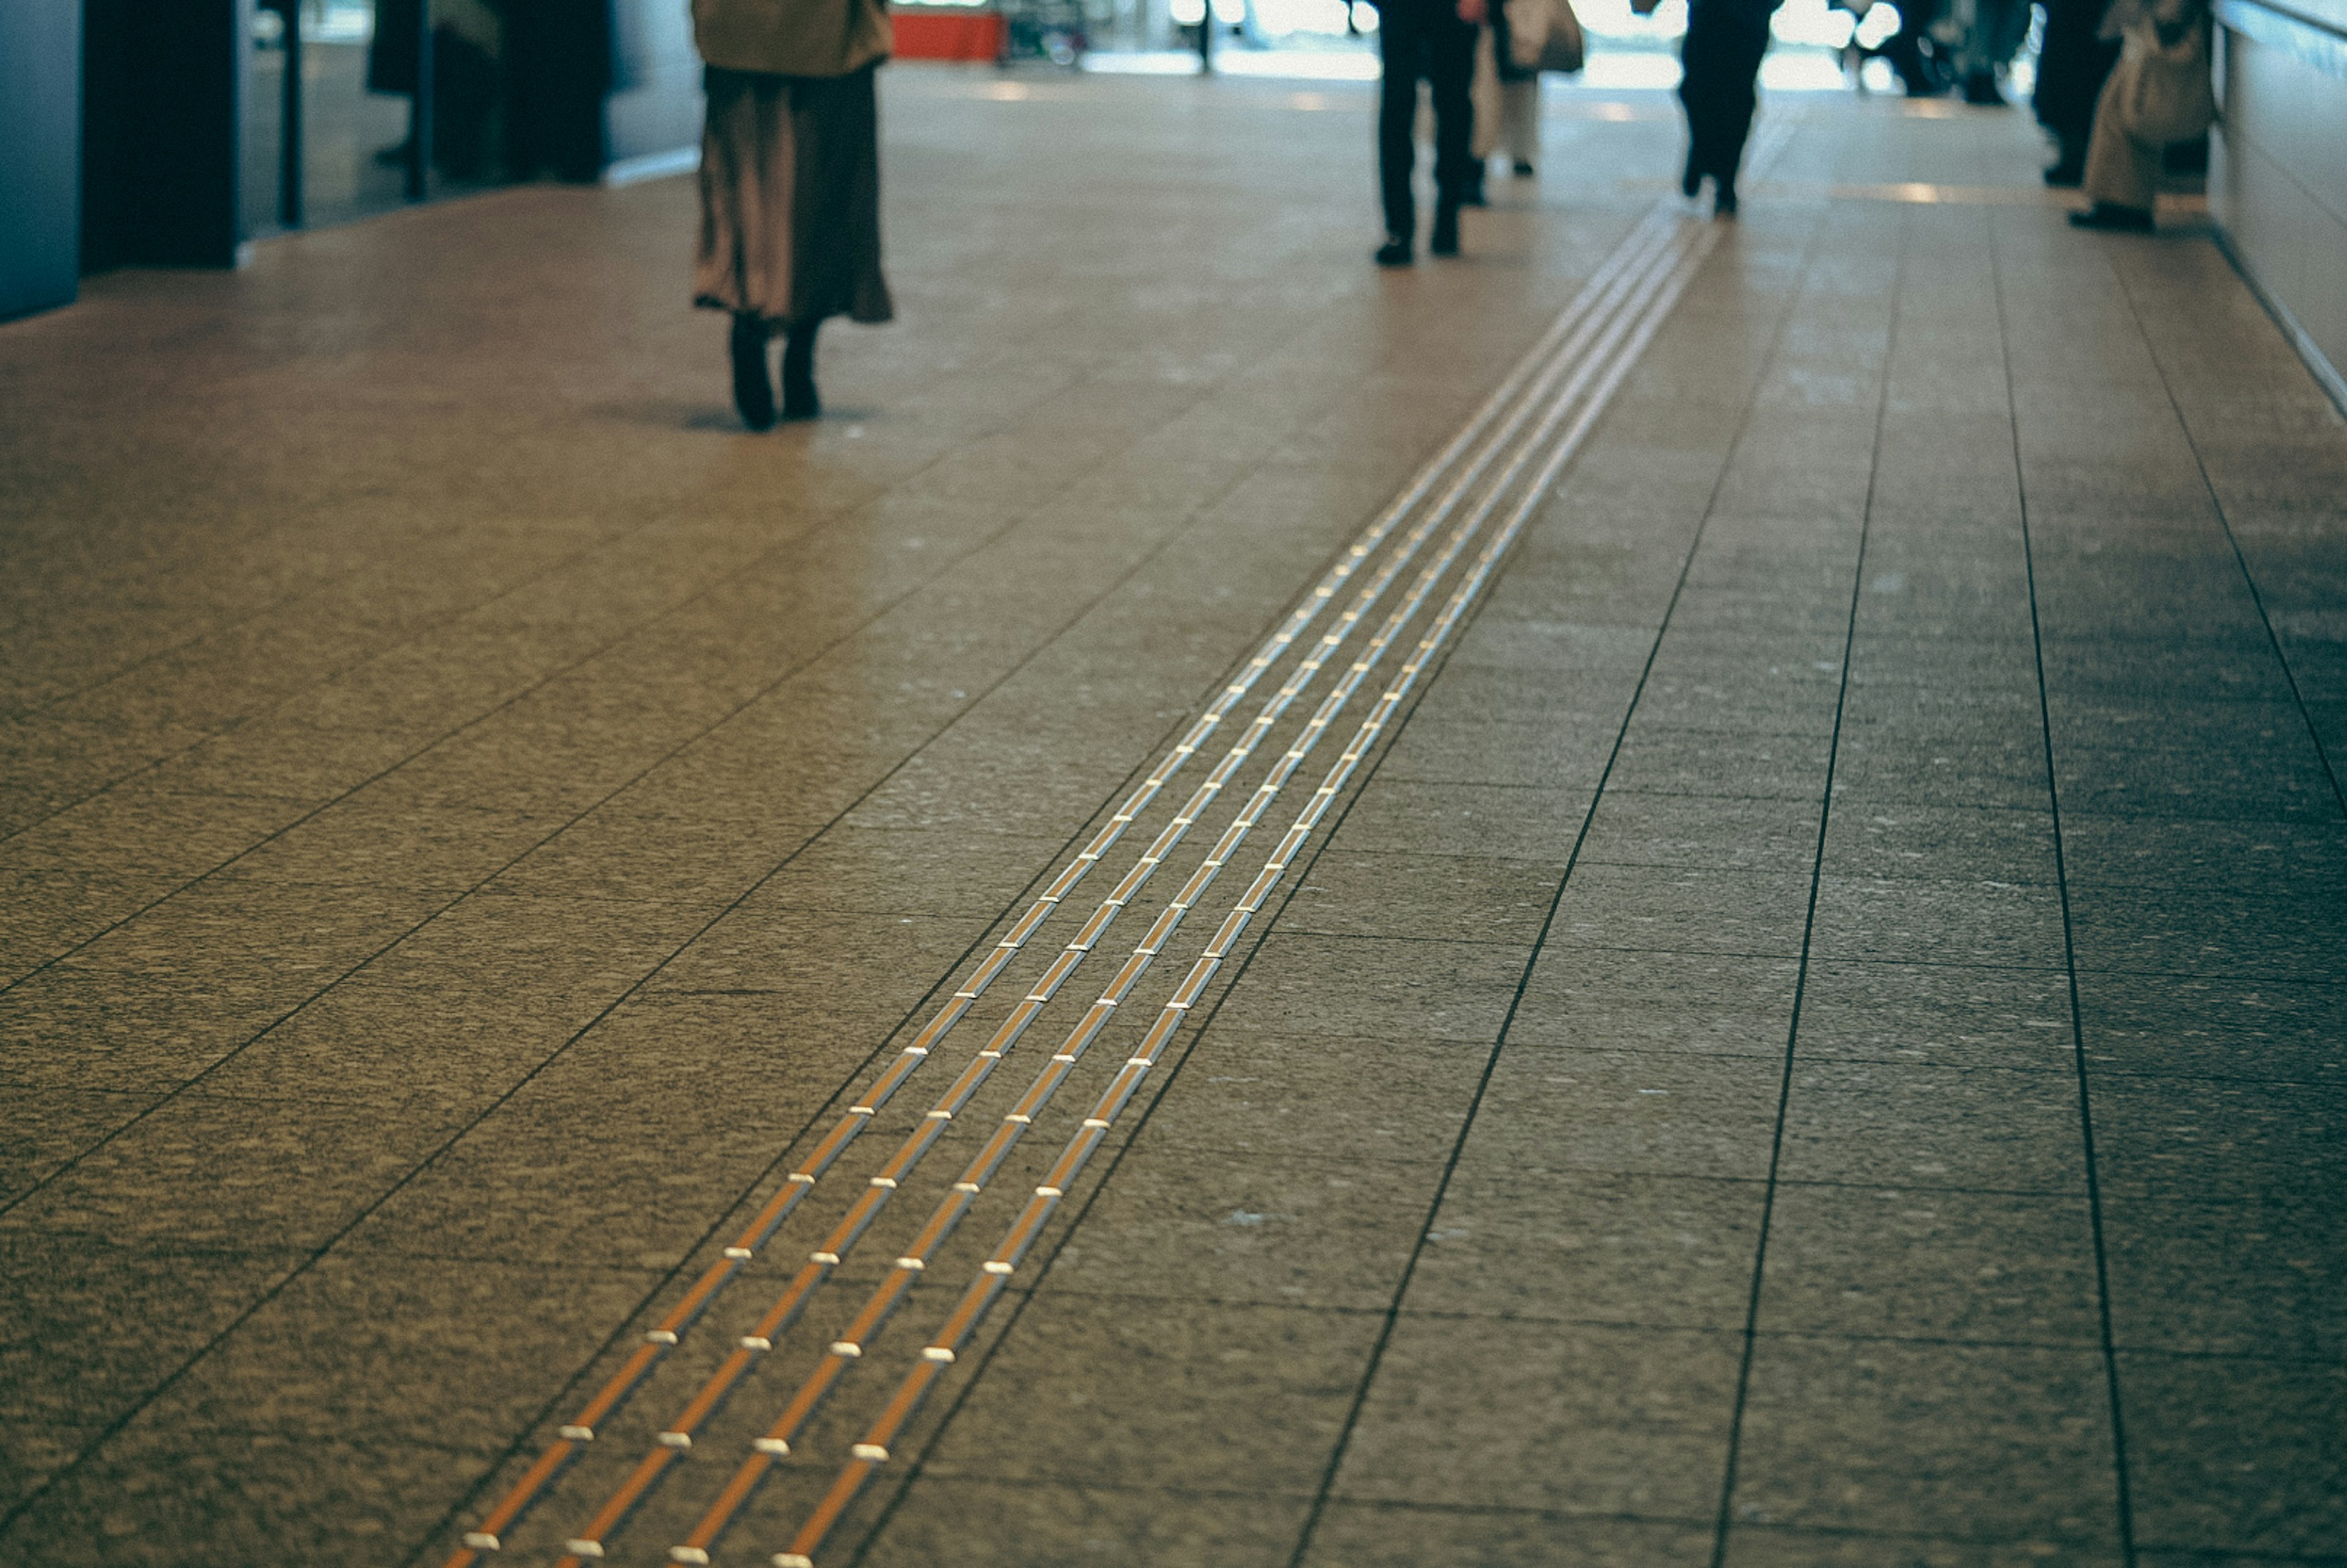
790,183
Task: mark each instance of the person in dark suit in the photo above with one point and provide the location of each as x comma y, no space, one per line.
1431,41
2073,63
1718,87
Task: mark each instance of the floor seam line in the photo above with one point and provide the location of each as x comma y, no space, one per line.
2123,1495
1724,1522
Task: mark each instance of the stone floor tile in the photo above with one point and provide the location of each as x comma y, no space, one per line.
46,1129
1367,986
1943,1014
202,1170
368,840
1013,1524
1679,1114
1566,750
1443,898
1569,1417
2114,852
47,914
1333,1096
150,833
2279,784
1592,999
465,1353
607,855
1940,843
1654,759
2183,1137
1985,923
1480,820
1935,1264
2226,1454
1275,1228
171,1498
1876,1124
1575,1245
296,940
97,1325
1772,1546
2278,933
131,1032
1234,1399
1632,829
1684,909
1981,1442
1401,1535
2256,1278
2193,1027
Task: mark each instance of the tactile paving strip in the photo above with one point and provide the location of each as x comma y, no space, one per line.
1584,342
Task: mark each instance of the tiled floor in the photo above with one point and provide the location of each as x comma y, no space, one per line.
1812,1034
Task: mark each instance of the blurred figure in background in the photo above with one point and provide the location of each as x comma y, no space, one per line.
559,69
790,183
1719,88
2072,65
1431,41
1989,33
1525,37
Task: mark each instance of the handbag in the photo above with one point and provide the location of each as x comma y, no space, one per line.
2164,91
1563,48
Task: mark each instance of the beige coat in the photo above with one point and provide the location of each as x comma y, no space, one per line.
793,37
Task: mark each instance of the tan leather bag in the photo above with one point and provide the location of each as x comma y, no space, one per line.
2164,91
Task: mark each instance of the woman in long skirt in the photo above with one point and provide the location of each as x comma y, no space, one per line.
790,183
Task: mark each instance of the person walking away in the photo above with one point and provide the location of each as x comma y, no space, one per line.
790,183
2073,63
2160,91
1431,41
1719,63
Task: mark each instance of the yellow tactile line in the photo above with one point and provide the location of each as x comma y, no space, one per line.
1628,335
1585,318
577,1433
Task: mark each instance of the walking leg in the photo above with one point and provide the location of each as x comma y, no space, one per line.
1450,67
1397,143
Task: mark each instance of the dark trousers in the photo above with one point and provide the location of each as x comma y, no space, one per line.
1720,61
1423,40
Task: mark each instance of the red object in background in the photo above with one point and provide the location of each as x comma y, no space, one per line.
958,34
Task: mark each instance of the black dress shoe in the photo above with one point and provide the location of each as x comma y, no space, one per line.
1691,180
2067,176
1444,240
1524,170
753,393
2111,215
1394,253
1980,88
1723,201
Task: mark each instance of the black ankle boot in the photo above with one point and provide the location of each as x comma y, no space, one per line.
754,394
799,401
1691,180
1444,240
1394,253
2112,216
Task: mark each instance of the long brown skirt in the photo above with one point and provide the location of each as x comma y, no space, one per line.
790,199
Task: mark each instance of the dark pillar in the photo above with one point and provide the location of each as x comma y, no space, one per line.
163,90
40,154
